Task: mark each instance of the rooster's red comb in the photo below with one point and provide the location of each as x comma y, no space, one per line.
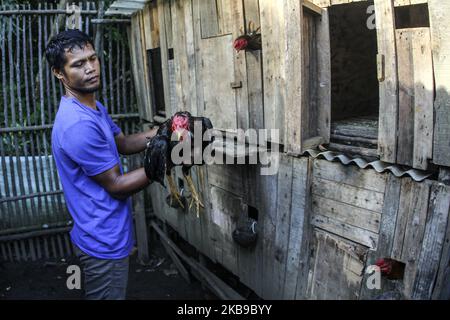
240,44
180,122
380,262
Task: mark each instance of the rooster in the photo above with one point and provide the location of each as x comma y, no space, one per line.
249,41
158,162
392,269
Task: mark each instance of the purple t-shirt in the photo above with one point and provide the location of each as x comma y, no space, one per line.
83,145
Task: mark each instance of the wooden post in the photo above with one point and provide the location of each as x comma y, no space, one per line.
141,225
432,244
385,22
442,288
293,71
440,44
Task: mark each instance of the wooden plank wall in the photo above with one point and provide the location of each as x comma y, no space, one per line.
320,223
406,86
415,76
282,234
347,201
347,222
347,205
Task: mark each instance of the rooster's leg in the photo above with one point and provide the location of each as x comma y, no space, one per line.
194,194
173,190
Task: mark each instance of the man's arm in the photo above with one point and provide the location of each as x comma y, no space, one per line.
122,186
134,143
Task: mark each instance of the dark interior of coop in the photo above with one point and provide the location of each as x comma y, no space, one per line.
354,83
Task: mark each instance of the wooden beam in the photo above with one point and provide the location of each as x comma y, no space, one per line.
184,273
33,234
322,3
140,224
442,288
415,76
439,12
386,235
372,153
312,7
273,31
432,242
385,24
240,66
293,69
324,76
254,72
220,288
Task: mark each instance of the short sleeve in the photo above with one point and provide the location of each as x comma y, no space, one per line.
114,127
87,146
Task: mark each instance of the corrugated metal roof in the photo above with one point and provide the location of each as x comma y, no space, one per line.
125,7
379,166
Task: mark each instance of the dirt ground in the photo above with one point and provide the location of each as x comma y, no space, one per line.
46,280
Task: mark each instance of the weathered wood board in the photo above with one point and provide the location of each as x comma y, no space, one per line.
347,201
337,266
439,12
226,208
183,42
428,261
254,71
416,85
274,79
217,65
138,64
387,133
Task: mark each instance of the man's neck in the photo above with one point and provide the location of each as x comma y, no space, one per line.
87,99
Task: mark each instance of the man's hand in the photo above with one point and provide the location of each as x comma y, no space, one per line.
134,143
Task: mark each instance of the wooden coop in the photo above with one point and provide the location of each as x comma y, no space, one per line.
360,93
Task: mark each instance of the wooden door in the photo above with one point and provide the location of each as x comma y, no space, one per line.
405,74
221,82
337,267
296,67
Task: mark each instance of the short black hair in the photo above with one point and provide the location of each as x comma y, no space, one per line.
69,39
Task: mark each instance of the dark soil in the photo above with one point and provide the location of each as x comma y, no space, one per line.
46,280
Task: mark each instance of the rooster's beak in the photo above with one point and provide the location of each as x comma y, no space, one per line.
179,135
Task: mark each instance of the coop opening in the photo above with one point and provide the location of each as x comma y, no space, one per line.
391,269
355,89
413,16
156,82
253,213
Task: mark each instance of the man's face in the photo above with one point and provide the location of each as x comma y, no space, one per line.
81,70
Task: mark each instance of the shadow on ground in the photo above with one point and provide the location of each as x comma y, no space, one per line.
46,280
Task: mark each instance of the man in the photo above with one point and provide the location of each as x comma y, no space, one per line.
86,144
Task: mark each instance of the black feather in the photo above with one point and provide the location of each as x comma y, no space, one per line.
155,160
